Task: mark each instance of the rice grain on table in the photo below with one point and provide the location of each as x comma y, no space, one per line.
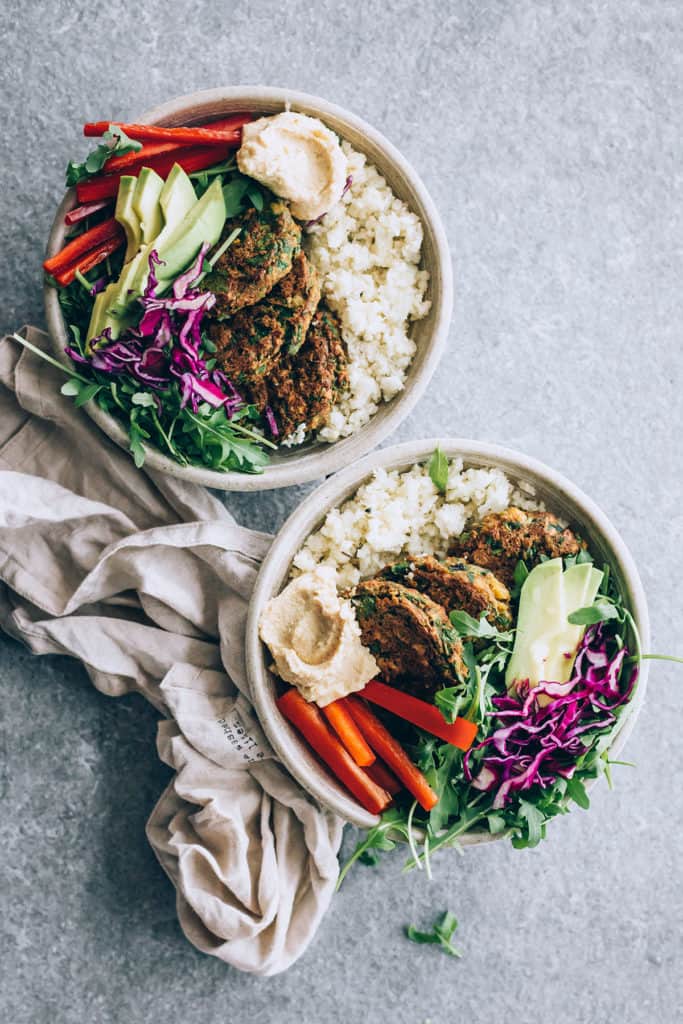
367,249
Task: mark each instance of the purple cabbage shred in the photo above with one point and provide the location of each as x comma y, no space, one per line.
536,744
165,346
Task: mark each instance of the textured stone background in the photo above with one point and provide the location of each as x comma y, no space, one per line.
548,136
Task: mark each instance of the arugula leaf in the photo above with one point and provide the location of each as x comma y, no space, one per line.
438,470
114,141
441,780
519,577
533,827
143,398
233,194
255,195
376,839
497,823
442,932
449,701
599,611
87,392
577,792
477,630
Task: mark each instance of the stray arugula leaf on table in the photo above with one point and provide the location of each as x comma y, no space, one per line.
442,932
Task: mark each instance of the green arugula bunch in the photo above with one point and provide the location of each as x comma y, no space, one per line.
114,142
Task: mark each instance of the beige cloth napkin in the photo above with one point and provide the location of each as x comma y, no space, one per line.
138,575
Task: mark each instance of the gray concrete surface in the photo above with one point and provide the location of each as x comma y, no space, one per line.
549,136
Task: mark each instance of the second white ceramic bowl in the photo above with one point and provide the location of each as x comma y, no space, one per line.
314,459
555,491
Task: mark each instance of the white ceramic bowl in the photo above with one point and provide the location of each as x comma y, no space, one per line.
558,494
314,459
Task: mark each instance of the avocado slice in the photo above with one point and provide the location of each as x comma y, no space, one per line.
146,204
177,245
204,223
545,642
126,215
177,196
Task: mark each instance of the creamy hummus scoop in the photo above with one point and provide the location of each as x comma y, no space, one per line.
298,158
314,638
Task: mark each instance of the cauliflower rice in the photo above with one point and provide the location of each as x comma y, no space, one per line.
401,513
367,250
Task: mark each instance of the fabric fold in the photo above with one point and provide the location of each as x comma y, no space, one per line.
146,580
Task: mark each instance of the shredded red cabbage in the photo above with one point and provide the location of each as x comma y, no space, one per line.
272,422
533,744
166,343
347,185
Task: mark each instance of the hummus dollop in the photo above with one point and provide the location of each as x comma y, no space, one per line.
314,638
298,158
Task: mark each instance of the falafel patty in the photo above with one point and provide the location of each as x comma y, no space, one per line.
260,256
249,345
302,388
457,585
502,539
410,636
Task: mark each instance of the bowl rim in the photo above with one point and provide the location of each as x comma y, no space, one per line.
318,461
308,515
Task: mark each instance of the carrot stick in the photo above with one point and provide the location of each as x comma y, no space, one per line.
90,259
425,716
77,248
216,134
191,160
384,744
348,732
380,774
312,726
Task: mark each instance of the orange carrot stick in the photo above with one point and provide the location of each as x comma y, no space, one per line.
348,732
386,747
460,733
312,726
380,774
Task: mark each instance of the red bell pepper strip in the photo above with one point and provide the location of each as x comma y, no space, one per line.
348,732
217,133
138,157
308,719
78,247
80,213
380,774
386,747
199,159
418,712
90,259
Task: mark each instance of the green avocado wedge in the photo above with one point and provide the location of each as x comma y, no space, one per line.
203,224
545,642
127,217
188,227
146,204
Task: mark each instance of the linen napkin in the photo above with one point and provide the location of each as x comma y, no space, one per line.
146,580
